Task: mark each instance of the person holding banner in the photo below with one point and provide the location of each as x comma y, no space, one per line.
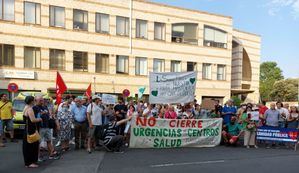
284,114
148,112
131,113
272,118
170,113
113,141
293,118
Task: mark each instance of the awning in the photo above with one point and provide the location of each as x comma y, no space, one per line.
241,91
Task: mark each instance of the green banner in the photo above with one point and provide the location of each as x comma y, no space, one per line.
166,133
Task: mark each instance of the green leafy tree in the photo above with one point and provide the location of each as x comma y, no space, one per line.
269,74
237,101
285,90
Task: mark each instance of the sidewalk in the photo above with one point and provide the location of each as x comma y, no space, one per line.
76,161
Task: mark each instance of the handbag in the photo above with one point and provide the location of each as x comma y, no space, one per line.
34,137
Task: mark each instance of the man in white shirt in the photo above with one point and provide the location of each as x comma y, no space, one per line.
284,114
94,116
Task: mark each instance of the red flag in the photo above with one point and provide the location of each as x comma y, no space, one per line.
88,91
60,88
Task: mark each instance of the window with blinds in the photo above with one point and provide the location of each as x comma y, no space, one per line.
185,33
141,29
159,29
80,19
7,55
57,59
141,66
32,57
57,16
207,71
80,61
122,64
102,63
221,72
176,66
159,65
102,23
7,10
31,13
122,26
214,37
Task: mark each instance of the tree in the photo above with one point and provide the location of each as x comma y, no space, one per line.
269,74
285,90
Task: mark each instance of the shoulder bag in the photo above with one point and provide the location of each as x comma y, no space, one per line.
34,137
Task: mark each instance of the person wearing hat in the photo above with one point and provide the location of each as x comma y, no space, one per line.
231,132
228,111
113,141
94,116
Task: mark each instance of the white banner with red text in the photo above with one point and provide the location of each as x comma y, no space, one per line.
167,133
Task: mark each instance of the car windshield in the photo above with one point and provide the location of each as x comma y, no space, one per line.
19,105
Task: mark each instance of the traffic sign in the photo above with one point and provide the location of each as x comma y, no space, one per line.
126,92
12,87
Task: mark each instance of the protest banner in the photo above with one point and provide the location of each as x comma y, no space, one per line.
276,134
166,88
174,133
208,104
109,99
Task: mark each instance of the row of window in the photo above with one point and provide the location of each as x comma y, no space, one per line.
181,32
32,59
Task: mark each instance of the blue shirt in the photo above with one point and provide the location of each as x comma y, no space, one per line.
79,113
272,117
226,118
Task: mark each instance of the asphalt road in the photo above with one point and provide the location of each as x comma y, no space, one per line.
219,159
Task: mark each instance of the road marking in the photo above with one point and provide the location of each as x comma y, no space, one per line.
187,163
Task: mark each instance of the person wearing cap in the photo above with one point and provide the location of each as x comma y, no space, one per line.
113,141
231,132
228,111
80,122
94,116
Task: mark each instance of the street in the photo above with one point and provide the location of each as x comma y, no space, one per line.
218,159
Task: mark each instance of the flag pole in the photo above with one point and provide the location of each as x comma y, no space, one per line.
94,85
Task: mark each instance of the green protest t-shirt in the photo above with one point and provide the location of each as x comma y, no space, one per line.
243,118
234,129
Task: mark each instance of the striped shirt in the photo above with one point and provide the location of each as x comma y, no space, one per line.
110,132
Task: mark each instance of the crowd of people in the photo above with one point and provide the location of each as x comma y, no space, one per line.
90,124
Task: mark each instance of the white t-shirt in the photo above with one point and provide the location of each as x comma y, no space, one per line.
285,111
96,114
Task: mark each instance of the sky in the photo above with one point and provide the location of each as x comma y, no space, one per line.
276,21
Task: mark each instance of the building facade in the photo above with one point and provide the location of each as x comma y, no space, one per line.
115,44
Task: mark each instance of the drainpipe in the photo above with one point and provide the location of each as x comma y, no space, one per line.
131,13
